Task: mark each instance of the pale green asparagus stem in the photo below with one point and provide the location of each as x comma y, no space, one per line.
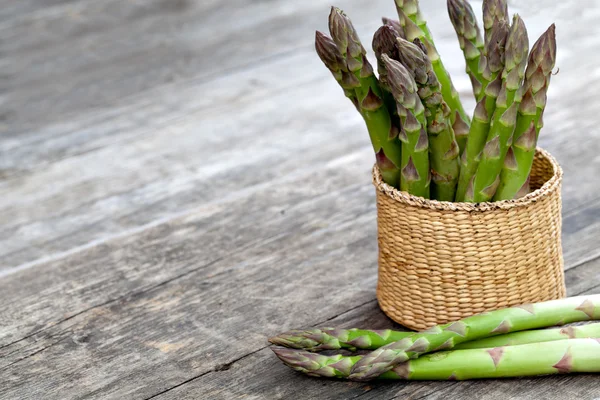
485,108
315,340
547,358
487,177
498,322
369,96
470,40
415,177
459,119
519,159
443,148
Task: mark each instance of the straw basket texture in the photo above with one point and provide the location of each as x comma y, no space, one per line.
442,261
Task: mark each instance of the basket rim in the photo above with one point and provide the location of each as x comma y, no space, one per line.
403,197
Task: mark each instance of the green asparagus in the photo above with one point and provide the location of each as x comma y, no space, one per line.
369,96
470,40
487,177
315,340
458,117
443,148
519,159
384,42
415,177
484,111
445,337
561,356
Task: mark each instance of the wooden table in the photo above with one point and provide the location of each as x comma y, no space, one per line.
180,179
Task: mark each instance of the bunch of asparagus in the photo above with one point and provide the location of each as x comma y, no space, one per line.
502,343
424,142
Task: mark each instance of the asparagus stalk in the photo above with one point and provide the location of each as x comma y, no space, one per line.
356,74
470,40
484,111
443,148
315,340
494,11
487,177
415,175
416,28
384,42
519,159
445,337
562,356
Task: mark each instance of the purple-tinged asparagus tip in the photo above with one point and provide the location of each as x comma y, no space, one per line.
494,10
384,42
413,58
328,52
395,25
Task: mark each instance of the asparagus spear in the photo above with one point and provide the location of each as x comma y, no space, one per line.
443,148
415,176
519,159
562,356
352,339
445,337
418,30
333,60
384,42
487,177
356,74
494,11
470,40
484,111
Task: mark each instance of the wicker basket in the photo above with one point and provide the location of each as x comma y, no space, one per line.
442,261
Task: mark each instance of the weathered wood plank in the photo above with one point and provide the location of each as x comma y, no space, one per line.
283,218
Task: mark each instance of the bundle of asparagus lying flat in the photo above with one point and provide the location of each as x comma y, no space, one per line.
424,142
502,343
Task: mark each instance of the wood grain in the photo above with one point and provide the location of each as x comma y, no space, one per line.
181,179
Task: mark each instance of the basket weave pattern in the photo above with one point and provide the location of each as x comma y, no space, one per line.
442,261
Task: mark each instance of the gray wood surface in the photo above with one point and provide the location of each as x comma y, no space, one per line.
180,179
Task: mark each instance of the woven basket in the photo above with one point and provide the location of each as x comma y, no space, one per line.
442,261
